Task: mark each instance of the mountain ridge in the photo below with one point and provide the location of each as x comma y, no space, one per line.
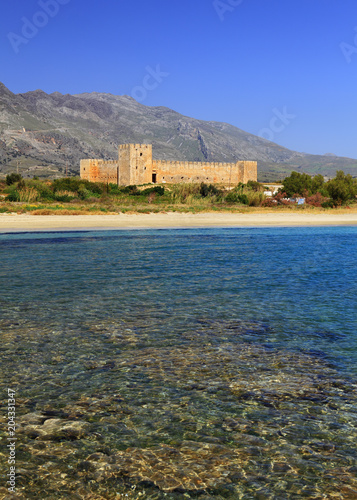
41,133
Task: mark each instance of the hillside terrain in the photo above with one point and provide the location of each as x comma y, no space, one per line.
48,134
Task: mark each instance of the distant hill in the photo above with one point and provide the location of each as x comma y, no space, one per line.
42,133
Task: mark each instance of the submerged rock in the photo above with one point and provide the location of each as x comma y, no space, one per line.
55,429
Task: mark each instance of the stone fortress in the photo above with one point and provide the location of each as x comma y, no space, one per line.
135,165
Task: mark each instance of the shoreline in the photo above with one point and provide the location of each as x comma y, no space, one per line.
30,223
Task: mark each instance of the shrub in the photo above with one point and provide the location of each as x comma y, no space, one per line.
243,194
281,199
236,197
159,190
180,192
13,195
84,193
269,202
65,196
132,190
316,200
210,190
255,198
255,186
151,197
74,184
12,178
328,204
114,189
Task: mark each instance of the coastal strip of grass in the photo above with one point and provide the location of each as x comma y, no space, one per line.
74,196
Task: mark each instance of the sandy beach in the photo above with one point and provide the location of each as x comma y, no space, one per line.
25,222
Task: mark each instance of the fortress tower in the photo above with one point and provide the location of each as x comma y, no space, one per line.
135,164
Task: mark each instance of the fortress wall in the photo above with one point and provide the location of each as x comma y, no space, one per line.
136,166
99,171
220,173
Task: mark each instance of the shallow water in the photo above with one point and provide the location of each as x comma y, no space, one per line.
215,363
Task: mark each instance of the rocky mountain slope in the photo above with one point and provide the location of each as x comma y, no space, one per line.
45,134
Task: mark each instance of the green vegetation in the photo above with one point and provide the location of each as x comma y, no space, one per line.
335,192
251,194
12,178
74,195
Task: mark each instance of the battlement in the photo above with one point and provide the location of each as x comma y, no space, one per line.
135,165
194,164
135,146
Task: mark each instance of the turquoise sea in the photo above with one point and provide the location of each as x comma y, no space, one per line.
181,363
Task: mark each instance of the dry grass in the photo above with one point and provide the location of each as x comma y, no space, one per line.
66,193
28,194
65,211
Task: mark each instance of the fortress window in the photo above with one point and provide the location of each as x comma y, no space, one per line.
141,154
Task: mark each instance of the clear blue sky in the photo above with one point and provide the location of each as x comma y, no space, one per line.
270,67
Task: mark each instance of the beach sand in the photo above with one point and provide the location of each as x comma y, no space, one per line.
27,222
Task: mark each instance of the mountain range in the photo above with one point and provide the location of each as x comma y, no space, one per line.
47,135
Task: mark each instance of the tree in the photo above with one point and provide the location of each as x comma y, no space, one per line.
297,184
342,188
318,185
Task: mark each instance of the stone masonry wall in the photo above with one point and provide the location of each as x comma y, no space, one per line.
250,171
215,173
99,171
